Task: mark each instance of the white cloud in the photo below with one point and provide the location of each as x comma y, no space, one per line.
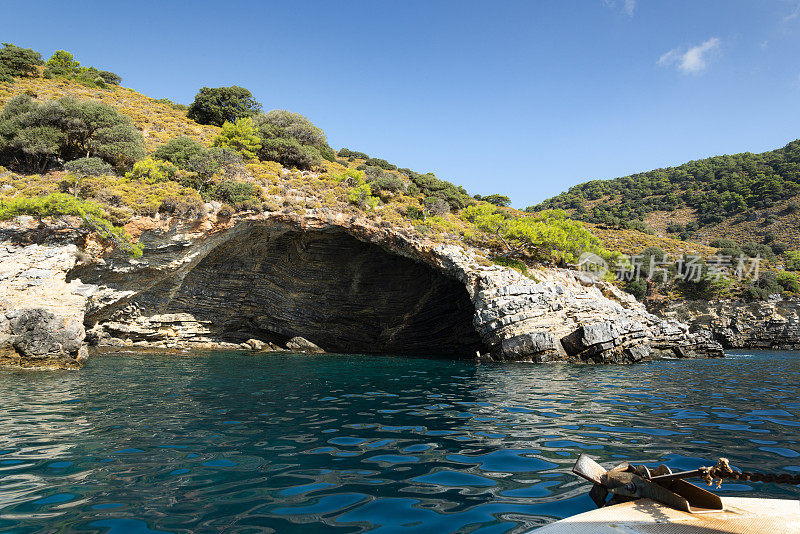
627,7
693,60
794,14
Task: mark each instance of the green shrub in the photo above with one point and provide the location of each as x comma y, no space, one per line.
183,207
33,136
637,287
328,154
62,63
382,163
763,288
414,213
778,248
179,151
789,281
16,61
234,193
290,153
217,105
546,236
80,169
241,136
436,206
793,260
497,200
57,205
347,153
429,185
208,164
282,123
115,79
88,167
388,183
723,244
152,171
513,263
707,288
361,196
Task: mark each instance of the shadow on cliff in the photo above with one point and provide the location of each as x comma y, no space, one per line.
343,294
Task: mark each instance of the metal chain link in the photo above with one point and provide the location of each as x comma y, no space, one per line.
723,471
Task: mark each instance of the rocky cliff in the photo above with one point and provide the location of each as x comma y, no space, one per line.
773,324
337,281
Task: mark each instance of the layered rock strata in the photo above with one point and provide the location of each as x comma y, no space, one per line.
342,284
735,324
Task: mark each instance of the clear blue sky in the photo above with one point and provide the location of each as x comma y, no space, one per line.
521,97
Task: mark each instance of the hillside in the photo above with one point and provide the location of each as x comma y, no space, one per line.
287,166
76,144
744,197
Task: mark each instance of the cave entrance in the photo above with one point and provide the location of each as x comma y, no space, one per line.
343,294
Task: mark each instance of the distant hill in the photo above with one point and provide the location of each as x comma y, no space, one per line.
745,197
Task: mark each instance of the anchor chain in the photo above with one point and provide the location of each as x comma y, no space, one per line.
723,470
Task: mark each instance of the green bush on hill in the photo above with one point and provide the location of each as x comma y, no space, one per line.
62,64
546,236
282,123
347,153
430,186
240,135
217,105
59,205
17,61
382,163
292,140
497,200
179,151
35,136
290,153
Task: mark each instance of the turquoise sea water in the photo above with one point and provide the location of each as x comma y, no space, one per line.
344,443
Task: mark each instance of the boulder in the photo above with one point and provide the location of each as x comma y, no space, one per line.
537,346
301,344
255,344
42,338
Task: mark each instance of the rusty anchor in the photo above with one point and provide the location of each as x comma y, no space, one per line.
627,482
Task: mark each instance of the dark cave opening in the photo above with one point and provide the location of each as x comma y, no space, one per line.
342,294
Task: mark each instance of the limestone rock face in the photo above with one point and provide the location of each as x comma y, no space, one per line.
301,344
734,324
44,339
275,281
41,314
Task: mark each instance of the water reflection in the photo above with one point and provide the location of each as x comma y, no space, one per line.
181,443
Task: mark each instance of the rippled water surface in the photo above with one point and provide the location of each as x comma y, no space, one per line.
290,443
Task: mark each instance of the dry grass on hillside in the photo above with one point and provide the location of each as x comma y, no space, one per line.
631,242
159,122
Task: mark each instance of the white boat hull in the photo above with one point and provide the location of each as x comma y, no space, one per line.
740,516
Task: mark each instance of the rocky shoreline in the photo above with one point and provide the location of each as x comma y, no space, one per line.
311,281
773,324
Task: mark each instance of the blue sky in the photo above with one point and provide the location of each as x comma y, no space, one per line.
521,97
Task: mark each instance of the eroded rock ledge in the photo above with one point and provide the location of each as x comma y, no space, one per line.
343,283
737,324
